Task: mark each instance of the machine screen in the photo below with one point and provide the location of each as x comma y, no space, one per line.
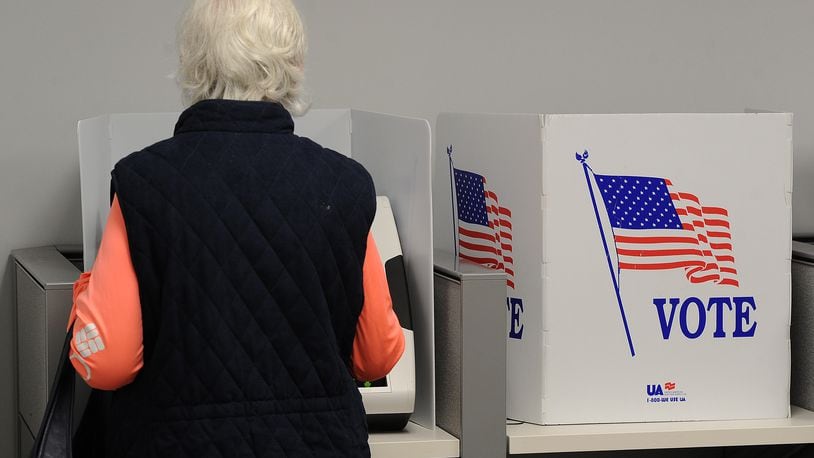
381,383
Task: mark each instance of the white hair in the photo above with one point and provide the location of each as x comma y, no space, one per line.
243,50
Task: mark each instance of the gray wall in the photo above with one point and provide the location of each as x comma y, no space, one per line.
64,61
61,62
421,57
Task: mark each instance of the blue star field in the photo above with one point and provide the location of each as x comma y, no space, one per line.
638,202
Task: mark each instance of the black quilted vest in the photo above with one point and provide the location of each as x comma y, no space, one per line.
248,243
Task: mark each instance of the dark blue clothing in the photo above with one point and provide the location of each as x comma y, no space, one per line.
248,244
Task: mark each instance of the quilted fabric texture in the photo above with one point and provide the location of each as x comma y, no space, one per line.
248,244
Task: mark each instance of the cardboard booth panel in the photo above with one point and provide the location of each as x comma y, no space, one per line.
395,150
652,275
506,151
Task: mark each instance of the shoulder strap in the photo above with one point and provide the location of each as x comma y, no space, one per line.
54,438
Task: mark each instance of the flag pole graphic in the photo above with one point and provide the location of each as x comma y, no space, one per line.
582,158
452,196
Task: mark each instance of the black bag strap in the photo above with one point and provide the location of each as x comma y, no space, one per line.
54,439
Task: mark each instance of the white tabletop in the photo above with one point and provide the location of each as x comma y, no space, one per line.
414,442
530,438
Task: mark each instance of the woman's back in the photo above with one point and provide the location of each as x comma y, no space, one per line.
248,244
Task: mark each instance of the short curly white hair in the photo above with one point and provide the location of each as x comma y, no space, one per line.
243,50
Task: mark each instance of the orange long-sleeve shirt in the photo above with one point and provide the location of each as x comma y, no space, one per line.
107,348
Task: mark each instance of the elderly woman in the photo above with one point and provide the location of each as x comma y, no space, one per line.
237,289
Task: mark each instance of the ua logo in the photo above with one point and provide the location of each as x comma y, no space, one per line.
654,390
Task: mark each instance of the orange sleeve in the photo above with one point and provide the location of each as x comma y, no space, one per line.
107,349
379,341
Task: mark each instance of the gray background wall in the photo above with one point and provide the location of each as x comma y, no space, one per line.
61,62
64,61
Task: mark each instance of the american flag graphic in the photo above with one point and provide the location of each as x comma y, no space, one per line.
484,227
656,227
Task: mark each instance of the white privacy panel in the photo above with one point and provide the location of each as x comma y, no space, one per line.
102,142
330,128
396,151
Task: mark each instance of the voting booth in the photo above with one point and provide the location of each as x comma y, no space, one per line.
647,258
396,152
